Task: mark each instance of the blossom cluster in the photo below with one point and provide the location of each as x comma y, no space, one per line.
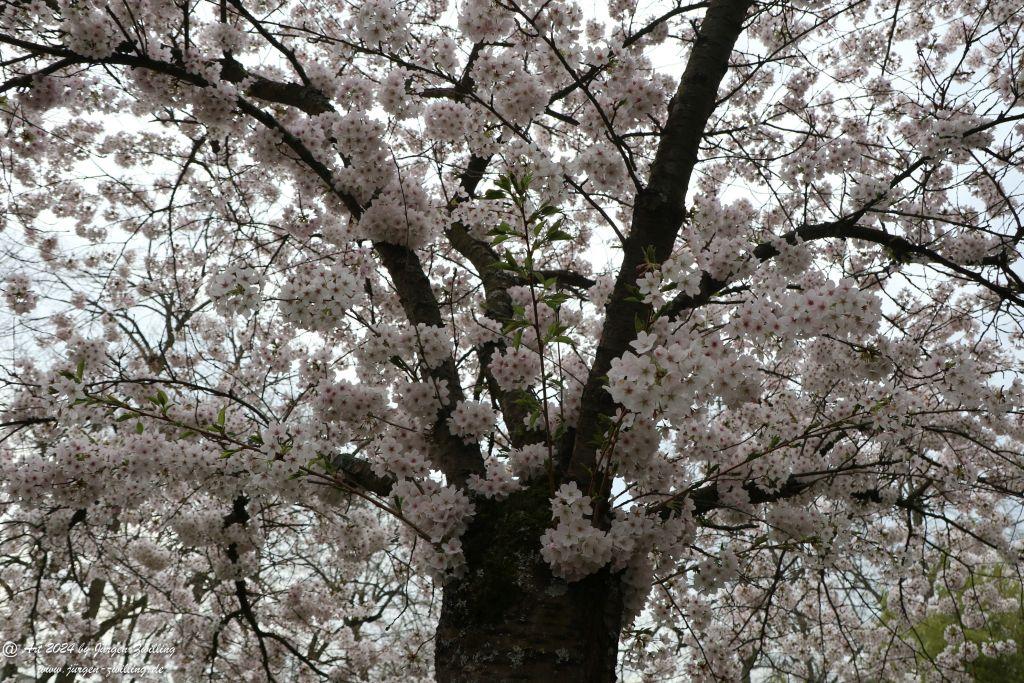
235,290
529,461
838,308
90,32
574,547
348,402
515,368
497,483
447,121
399,459
430,344
402,213
950,134
315,297
422,400
441,514
668,377
381,23
484,20
18,293
520,98
472,420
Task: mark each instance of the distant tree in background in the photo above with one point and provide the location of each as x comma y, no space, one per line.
983,614
395,340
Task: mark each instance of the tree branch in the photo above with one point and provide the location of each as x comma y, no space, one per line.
658,214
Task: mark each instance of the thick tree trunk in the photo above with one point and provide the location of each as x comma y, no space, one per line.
510,619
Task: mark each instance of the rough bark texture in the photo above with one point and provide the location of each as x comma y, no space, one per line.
510,619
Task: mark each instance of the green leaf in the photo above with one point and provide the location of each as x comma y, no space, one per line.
502,228
139,428
556,300
513,325
558,235
159,399
509,264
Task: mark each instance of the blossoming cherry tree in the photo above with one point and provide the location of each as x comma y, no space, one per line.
512,340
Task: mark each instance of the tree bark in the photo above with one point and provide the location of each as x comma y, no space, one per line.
510,619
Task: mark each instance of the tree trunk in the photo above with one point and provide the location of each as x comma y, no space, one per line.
509,619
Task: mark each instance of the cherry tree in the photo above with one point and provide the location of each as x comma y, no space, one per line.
511,340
